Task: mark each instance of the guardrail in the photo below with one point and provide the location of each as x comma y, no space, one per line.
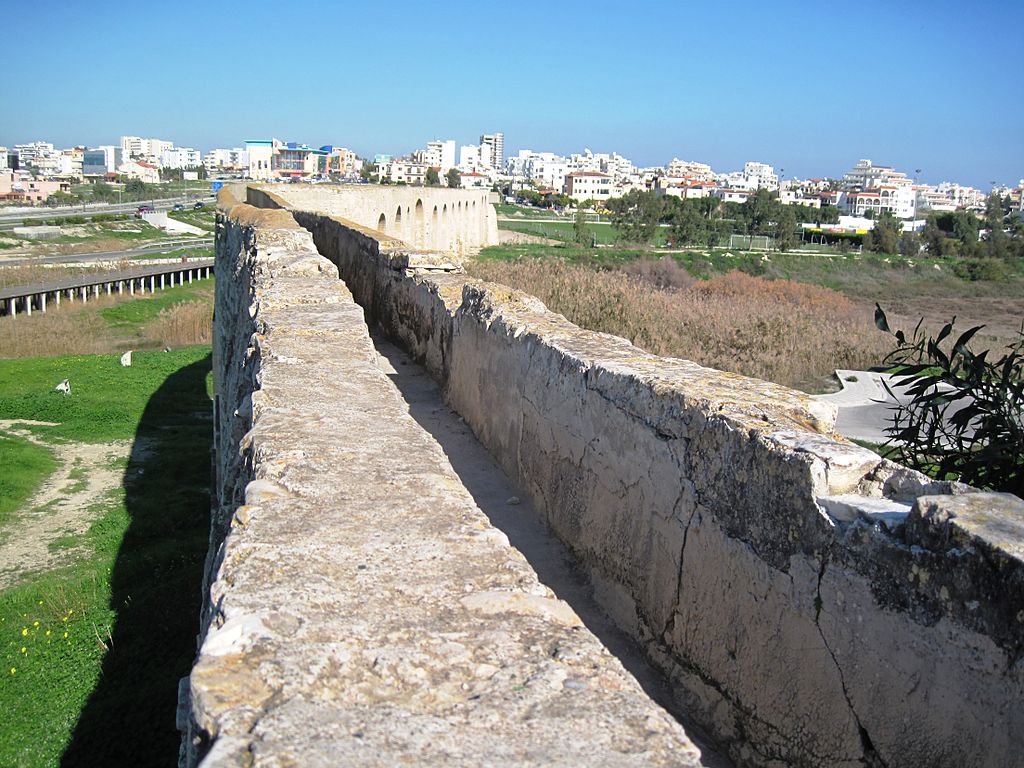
29,298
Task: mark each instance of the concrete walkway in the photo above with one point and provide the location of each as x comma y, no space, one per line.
510,511
865,408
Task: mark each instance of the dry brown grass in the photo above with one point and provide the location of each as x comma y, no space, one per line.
182,325
30,275
71,329
790,333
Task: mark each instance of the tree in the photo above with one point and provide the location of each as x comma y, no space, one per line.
910,245
885,237
635,216
580,231
965,230
432,179
103,191
934,238
366,170
454,178
963,420
688,226
759,211
785,228
996,241
136,189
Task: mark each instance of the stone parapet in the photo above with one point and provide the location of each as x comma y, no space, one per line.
812,603
360,609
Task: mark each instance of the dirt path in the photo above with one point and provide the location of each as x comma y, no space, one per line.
62,508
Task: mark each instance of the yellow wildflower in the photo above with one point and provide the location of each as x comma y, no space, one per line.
24,631
47,633
65,634
23,649
13,670
35,623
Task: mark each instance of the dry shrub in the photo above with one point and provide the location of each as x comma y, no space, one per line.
65,330
665,272
786,332
31,275
181,325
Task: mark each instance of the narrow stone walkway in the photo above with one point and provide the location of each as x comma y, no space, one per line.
510,511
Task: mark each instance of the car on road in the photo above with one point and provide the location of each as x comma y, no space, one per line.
143,209
197,206
178,207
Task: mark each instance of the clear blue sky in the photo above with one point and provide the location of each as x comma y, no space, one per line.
806,86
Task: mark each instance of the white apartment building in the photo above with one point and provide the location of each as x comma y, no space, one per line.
930,199
145,149
37,153
762,174
614,164
234,158
260,153
476,159
866,176
878,188
962,197
492,150
688,169
899,201
403,171
682,187
545,169
181,157
71,163
438,154
728,195
590,185
794,196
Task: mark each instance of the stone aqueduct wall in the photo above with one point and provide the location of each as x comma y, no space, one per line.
811,603
453,221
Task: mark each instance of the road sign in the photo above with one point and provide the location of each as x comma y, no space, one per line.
216,185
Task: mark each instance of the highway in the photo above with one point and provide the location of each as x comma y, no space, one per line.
165,246
10,219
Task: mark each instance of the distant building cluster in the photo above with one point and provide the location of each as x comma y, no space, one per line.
32,172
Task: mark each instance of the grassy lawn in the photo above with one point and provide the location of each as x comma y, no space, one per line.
25,467
129,317
205,218
174,317
92,652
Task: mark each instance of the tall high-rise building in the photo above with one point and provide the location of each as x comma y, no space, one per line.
492,146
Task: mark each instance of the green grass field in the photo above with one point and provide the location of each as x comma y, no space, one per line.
863,276
128,318
205,218
92,652
25,467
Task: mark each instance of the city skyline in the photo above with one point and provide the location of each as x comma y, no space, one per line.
923,86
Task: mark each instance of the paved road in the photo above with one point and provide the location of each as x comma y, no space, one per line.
865,408
10,219
75,258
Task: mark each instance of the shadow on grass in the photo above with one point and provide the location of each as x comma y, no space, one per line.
155,584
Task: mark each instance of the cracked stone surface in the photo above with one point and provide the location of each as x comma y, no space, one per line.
362,609
809,602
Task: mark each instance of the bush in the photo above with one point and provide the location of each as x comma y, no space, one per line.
964,418
993,270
